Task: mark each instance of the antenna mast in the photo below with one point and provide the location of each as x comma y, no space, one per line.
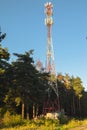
50,67
52,103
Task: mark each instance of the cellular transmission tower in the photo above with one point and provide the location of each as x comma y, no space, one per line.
52,102
50,67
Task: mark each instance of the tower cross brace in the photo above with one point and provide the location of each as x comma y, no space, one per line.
50,67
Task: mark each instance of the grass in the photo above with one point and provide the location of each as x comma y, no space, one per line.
16,123
47,125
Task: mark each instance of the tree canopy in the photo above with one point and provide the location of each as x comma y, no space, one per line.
24,89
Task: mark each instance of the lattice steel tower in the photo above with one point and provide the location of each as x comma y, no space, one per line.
50,67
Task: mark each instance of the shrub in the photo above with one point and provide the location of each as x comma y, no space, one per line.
12,120
63,118
50,122
2,111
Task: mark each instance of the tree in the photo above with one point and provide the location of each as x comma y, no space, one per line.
24,73
70,93
27,81
4,57
78,89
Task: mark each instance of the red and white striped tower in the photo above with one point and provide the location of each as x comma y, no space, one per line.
50,67
51,104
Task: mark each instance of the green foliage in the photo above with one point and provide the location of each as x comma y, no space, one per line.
51,122
40,124
18,101
4,53
63,118
47,125
20,82
77,86
12,120
4,57
2,71
15,121
2,111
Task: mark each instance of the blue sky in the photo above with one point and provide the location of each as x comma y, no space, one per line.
23,22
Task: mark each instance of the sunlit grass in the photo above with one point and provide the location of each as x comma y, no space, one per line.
16,123
74,124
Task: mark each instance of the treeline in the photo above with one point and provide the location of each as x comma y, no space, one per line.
24,89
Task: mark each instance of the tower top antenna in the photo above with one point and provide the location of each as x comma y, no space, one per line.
49,10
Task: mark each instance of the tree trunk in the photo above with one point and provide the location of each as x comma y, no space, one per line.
27,112
37,110
73,105
33,110
79,108
22,110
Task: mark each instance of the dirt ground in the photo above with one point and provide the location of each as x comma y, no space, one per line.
80,128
